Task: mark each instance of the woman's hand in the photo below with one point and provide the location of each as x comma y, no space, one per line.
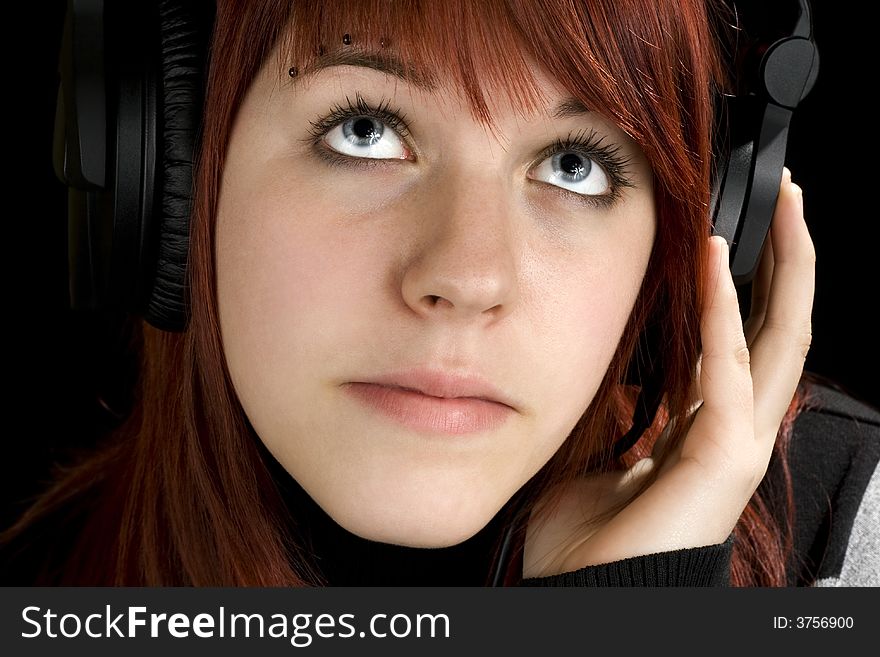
747,379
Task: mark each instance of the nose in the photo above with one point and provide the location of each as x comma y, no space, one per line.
464,264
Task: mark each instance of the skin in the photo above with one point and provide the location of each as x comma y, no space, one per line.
327,275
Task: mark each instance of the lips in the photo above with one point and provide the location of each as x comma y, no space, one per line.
443,384
434,402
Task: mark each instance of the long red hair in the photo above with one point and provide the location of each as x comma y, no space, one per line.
183,495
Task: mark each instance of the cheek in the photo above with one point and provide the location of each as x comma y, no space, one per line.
288,288
584,304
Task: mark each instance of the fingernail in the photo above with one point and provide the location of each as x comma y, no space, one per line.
799,195
725,248
786,174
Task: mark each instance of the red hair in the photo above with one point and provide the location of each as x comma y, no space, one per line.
183,494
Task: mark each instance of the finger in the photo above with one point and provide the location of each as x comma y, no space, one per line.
760,293
761,285
725,378
781,344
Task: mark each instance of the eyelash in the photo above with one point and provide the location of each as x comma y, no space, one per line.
586,143
391,117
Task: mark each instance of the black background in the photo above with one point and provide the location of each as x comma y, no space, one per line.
58,361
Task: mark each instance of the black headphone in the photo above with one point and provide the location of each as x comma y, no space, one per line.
126,128
128,119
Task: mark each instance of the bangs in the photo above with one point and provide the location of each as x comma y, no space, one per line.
481,48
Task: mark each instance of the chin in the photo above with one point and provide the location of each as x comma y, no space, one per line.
422,523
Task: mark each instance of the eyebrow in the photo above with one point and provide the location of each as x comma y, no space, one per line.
390,65
387,64
568,108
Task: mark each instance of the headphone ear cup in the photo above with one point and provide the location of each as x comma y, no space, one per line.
126,129
185,30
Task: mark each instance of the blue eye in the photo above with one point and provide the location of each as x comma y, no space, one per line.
582,167
360,131
574,172
365,136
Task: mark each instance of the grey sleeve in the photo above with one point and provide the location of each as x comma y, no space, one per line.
861,562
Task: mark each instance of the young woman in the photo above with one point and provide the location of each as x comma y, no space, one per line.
427,241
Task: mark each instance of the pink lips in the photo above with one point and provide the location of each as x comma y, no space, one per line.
429,401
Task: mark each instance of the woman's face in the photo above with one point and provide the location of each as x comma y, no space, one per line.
351,250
